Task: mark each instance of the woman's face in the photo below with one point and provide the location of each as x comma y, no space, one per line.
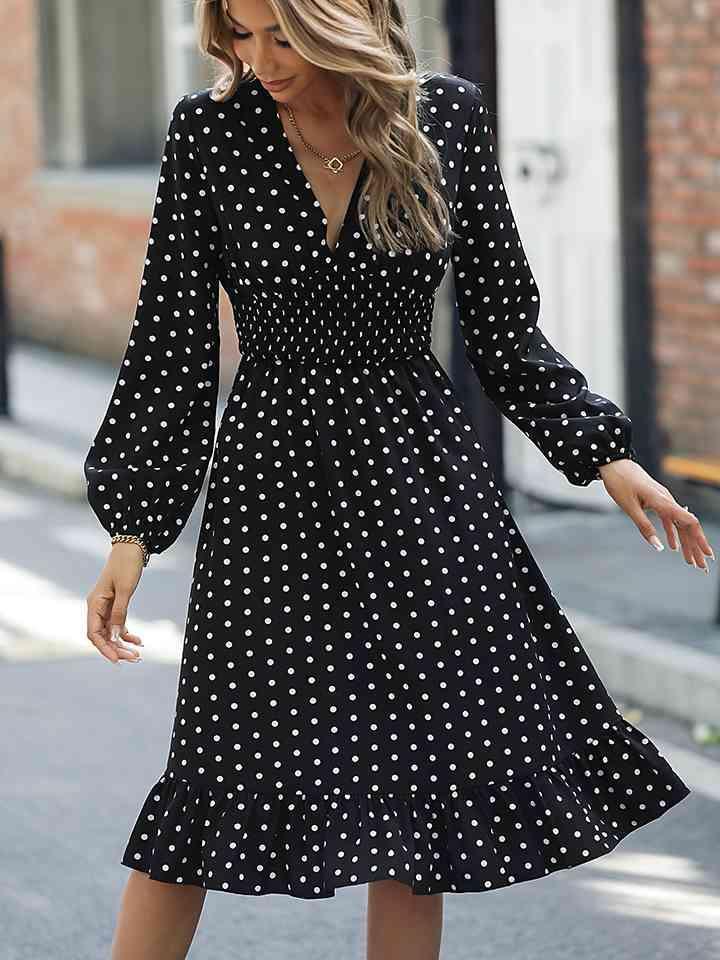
258,41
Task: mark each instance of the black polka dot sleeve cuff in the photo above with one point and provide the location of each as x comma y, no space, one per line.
147,462
528,379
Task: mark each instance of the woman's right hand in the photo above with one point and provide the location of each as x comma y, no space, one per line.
108,601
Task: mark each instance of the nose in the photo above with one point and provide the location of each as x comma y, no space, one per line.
265,70
264,62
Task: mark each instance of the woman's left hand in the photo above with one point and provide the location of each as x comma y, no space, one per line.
635,491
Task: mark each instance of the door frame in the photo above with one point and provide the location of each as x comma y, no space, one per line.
637,297
472,42
471,27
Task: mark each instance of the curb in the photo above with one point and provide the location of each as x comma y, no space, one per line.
651,671
54,467
40,462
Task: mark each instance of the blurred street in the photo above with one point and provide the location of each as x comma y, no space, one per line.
69,803
602,119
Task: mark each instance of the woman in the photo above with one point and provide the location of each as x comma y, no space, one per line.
377,683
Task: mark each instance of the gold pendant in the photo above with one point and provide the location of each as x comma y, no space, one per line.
335,164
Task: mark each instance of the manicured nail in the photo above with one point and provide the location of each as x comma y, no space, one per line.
115,632
656,543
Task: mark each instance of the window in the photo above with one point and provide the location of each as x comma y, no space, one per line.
110,73
186,69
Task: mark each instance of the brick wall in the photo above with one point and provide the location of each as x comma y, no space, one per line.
73,263
74,267
683,101
19,218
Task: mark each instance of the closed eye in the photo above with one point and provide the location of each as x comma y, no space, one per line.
244,36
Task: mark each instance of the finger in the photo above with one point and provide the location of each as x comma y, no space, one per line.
98,631
692,533
98,611
132,638
702,542
123,635
118,616
685,523
111,650
119,632
680,522
644,524
699,556
120,645
671,533
103,645
126,654
95,621
686,543
694,539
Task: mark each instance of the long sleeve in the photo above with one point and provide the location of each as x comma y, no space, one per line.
147,462
531,383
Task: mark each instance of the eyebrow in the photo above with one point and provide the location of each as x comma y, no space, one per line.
273,28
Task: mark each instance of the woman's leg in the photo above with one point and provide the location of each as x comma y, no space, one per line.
402,925
157,920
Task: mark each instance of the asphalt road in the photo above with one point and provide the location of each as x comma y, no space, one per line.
83,740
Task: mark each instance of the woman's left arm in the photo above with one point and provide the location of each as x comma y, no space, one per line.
636,491
581,433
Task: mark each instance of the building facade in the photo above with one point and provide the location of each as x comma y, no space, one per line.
88,86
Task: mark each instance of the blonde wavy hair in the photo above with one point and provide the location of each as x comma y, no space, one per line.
368,44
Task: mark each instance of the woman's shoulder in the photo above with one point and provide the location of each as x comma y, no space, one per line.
448,99
451,86
206,122
207,103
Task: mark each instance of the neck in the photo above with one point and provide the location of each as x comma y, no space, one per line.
323,102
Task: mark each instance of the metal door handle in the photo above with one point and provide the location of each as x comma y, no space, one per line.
541,160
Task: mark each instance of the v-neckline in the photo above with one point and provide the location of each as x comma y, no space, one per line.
331,252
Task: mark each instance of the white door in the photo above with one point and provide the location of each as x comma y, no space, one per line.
558,154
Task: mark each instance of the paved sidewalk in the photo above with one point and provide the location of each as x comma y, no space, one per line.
57,402
83,743
646,618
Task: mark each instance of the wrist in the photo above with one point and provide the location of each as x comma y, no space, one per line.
606,466
132,539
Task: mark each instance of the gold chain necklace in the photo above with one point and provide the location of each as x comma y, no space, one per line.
335,164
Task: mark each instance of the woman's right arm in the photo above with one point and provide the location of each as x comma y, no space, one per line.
147,462
527,378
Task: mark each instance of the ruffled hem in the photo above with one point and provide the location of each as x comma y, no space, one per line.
555,817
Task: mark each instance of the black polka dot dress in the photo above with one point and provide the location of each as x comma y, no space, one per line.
376,680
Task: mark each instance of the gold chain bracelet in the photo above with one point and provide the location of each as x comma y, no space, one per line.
131,538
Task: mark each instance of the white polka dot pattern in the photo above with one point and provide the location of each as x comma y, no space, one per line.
534,385
376,679
146,466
